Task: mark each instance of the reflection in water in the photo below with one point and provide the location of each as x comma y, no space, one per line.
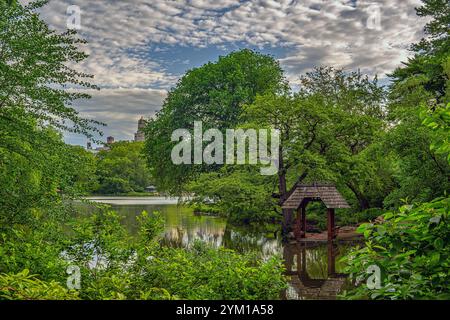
181,228
314,270
179,237
246,239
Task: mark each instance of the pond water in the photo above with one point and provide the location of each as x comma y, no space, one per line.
314,269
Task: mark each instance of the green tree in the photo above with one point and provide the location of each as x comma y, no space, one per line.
35,71
327,132
432,51
80,167
439,122
122,169
422,174
215,94
240,193
37,174
410,245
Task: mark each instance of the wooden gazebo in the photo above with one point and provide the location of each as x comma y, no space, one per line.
302,194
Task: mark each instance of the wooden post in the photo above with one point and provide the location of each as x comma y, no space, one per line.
331,259
299,219
330,224
303,258
288,258
303,222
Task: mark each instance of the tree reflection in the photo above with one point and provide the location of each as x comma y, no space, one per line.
313,271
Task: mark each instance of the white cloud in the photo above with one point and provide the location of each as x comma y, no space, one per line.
120,109
313,32
332,32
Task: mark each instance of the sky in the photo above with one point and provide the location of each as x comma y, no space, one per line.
138,49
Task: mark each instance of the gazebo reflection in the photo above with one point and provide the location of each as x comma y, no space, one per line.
304,286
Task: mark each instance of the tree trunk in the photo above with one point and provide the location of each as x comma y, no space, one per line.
287,214
362,200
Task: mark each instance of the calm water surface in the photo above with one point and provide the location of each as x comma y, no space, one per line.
314,270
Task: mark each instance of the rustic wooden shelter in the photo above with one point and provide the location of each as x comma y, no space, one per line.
302,194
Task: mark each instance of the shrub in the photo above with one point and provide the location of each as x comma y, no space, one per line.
24,286
412,250
114,265
353,218
202,272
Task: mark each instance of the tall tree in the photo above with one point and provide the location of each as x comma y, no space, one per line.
325,129
36,67
122,169
35,70
421,85
432,52
214,94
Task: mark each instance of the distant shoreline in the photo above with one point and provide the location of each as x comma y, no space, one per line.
129,194
135,200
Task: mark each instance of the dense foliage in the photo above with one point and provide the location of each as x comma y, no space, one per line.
37,169
421,85
41,232
214,94
339,126
242,195
23,286
381,146
205,273
122,169
412,249
114,265
327,132
411,245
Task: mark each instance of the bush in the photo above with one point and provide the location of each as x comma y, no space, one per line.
24,286
114,185
317,215
202,272
354,218
241,194
114,265
412,250
37,250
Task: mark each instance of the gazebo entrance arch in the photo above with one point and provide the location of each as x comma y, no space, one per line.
302,194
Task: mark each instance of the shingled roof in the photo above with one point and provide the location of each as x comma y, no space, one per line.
327,193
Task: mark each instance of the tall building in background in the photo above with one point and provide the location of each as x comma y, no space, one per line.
139,135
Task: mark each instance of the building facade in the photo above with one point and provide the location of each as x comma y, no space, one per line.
139,135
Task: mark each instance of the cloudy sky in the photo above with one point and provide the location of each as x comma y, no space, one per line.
139,48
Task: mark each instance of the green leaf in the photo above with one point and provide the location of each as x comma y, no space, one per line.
439,243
